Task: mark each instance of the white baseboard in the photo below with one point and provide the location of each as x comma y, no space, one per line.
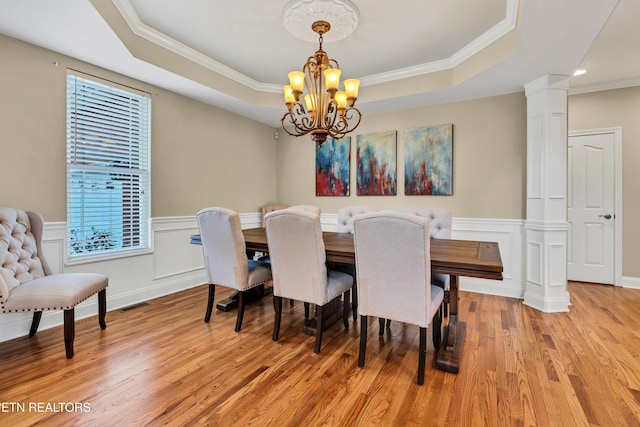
630,282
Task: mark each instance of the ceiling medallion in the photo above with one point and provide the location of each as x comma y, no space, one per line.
299,15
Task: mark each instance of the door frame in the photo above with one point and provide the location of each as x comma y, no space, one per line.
617,203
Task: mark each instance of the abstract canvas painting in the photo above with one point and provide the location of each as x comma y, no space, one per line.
333,163
376,164
428,154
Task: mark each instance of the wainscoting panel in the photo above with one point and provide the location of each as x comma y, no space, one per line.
173,255
508,234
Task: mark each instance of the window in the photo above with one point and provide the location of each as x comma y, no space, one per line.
108,182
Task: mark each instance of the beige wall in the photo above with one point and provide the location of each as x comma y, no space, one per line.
618,108
201,155
489,160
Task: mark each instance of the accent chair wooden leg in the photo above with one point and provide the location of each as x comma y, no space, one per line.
363,340
69,331
102,308
277,302
240,311
319,327
212,293
422,355
37,315
381,322
346,301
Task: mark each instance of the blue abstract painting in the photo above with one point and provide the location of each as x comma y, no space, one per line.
376,158
428,160
333,164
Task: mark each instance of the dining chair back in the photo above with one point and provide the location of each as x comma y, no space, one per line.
225,257
298,260
441,224
345,225
307,208
346,215
265,209
393,264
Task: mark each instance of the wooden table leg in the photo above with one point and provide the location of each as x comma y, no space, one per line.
448,355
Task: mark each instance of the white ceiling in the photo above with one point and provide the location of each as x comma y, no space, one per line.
407,53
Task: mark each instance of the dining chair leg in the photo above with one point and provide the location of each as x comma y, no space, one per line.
381,322
37,315
354,300
69,331
363,341
102,308
346,303
306,310
241,305
277,301
319,327
422,355
212,293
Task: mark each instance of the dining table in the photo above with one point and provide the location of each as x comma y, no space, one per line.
468,258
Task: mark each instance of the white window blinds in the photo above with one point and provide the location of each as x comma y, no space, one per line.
108,181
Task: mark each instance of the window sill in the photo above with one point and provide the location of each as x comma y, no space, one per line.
107,257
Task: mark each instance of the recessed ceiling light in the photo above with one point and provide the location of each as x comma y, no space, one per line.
579,72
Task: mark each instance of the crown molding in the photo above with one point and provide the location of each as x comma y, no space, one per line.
154,36
499,30
599,87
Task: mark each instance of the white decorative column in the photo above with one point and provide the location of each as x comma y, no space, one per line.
546,224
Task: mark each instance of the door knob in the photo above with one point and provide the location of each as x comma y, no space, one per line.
607,216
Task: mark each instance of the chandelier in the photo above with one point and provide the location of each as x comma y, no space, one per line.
327,111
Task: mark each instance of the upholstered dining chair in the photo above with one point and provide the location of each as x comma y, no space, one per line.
441,221
307,208
298,261
265,209
27,283
225,257
346,215
393,264
345,225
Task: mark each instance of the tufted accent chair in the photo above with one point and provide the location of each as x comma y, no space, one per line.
27,282
345,217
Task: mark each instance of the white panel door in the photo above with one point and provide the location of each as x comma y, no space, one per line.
591,216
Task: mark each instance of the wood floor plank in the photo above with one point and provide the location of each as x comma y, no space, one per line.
160,364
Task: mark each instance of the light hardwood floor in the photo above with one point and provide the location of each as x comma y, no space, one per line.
160,364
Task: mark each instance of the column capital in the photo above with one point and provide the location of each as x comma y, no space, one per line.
549,81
